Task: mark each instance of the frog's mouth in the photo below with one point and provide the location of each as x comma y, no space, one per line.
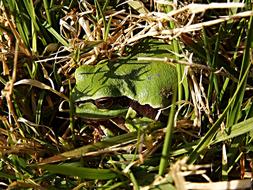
111,107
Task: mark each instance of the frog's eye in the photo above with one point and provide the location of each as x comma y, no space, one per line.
104,103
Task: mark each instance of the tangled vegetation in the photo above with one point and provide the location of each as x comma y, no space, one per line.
205,133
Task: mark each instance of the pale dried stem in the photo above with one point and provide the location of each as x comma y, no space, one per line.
8,89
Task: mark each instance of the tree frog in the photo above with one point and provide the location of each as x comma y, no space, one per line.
108,89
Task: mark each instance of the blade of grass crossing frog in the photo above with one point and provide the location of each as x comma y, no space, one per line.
206,140
178,92
168,137
182,84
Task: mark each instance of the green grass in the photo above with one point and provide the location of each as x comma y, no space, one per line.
43,145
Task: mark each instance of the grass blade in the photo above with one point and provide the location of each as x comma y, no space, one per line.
87,173
205,141
82,151
168,137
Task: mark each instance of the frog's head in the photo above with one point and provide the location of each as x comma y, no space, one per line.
102,108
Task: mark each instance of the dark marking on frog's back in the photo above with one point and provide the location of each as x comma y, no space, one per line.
166,93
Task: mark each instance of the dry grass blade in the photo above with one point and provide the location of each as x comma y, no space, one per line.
172,33
179,173
41,86
194,8
8,89
221,185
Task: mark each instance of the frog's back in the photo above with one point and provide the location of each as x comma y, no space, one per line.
146,82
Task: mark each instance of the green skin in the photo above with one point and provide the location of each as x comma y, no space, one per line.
146,82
